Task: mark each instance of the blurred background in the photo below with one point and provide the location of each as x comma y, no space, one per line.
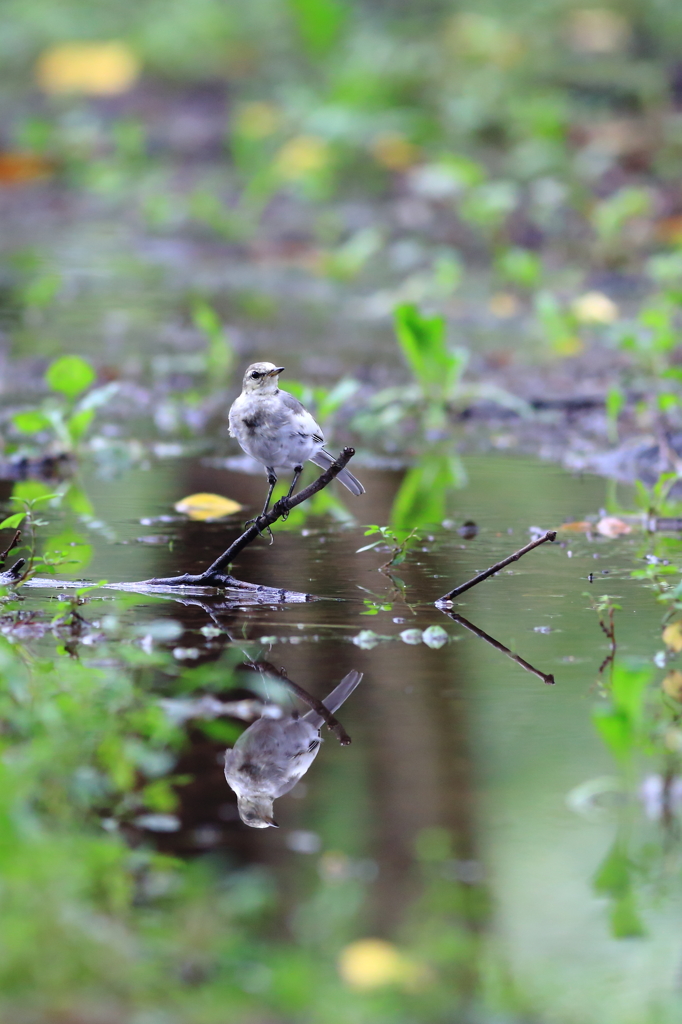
459,227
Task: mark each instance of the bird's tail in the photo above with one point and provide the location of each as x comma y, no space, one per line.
324,460
336,698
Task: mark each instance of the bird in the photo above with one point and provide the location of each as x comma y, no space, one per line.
276,430
272,755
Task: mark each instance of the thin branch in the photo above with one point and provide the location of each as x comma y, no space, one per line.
321,709
546,677
12,544
550,535
215,575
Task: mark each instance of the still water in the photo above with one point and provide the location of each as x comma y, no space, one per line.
449,819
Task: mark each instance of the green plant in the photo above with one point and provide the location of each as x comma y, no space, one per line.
65,415
219,351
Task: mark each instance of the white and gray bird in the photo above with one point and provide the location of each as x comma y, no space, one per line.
272,755
275,429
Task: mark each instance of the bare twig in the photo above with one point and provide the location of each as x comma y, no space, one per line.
12,544
550,535
307,698
215,575
545,676
610,632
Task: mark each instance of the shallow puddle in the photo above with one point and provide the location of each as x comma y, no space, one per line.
452,806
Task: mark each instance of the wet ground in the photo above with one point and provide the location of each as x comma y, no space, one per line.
458,740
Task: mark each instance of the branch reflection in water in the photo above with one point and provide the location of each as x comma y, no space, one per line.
545,676
276,751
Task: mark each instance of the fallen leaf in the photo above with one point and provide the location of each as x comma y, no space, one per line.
672,684
17,168
96,69
579,526
611,526
206,507
672,636
371,963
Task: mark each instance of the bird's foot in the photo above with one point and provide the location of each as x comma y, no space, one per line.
252,522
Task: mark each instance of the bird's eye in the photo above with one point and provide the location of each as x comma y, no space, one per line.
255,375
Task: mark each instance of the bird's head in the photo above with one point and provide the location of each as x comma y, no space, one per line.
262,378
257,813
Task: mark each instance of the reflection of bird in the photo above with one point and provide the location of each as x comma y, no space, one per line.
275,429
271,756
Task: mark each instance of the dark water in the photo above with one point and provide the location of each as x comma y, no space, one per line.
458,741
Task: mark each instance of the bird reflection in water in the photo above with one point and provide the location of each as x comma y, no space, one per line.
277,750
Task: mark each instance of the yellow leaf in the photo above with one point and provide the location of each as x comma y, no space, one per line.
96,69
205,507
672,684
301,156
370,963
580,526
672,636
611,526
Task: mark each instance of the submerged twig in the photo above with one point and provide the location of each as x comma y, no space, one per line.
546,677
550,535
322,710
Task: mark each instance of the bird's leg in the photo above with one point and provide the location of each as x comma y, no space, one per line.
272,480
297,472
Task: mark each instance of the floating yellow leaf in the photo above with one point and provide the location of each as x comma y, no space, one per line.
595,308
96,69
672,684
580,526
611,526
207,506
672,636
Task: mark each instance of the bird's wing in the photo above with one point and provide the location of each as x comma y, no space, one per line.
336,698
306,424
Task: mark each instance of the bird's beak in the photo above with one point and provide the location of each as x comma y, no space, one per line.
277,370
272,822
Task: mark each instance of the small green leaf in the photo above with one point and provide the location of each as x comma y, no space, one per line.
79,423
30,422
12,522
70,375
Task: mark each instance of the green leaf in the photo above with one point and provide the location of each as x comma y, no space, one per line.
625,921
319,23
12,522
70,375
32,491
78,423
31,422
